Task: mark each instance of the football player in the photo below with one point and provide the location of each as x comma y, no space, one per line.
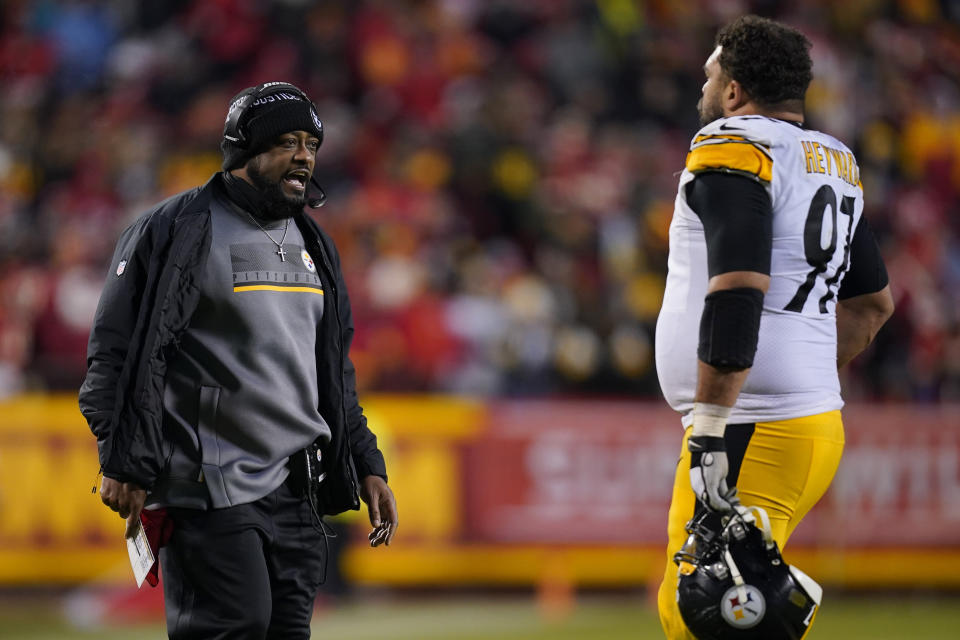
774,282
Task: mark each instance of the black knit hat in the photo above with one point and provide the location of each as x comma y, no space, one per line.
257,115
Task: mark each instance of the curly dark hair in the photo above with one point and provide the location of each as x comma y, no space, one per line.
771,61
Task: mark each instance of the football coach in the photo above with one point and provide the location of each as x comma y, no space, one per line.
220,387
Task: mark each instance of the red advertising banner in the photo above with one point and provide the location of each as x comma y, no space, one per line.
898,483
572,472
601,472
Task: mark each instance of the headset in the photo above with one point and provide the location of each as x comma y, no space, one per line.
235,132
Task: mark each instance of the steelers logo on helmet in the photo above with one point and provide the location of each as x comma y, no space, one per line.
743,607
307,261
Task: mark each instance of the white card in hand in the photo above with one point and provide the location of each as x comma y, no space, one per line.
141,557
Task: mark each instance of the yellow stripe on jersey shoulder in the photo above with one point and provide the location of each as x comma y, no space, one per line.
729,154
717,138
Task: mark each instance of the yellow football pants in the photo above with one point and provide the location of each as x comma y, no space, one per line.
786,468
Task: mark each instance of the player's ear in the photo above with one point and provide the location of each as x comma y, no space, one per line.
734,96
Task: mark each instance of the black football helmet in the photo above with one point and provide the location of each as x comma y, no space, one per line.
734,585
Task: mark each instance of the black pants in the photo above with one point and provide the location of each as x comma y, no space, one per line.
245,572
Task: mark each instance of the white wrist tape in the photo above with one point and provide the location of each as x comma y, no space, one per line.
709,419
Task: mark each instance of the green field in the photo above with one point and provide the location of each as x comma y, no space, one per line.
883,617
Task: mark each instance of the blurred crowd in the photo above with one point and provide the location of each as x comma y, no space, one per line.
500,174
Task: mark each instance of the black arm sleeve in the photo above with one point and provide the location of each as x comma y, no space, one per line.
737,218
867,273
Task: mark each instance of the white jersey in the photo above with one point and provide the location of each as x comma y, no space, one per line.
814,186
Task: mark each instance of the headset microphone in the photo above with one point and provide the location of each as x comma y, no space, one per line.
317,201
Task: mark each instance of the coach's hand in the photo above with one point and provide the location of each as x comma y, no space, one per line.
382,508
126,498
708,473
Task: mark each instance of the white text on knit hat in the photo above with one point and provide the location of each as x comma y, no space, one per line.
275,97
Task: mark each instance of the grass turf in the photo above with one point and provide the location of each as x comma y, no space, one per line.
877,617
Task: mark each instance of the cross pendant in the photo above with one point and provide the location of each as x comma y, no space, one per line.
282,253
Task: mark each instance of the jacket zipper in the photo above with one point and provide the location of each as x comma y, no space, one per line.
96,481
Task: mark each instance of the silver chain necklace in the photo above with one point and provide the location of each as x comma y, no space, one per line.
280,252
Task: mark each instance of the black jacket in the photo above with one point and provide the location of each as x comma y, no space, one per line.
152,289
